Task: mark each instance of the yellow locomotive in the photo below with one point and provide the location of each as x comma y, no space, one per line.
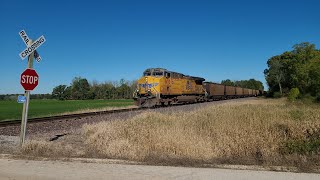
159,86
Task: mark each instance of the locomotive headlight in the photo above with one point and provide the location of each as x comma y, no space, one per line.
146,79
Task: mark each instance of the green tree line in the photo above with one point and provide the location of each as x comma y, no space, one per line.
251,83
81,89
298,68
10,97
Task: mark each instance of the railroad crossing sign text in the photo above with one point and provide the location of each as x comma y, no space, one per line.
24,37
37,43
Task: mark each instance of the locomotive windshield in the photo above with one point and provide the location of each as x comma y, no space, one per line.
157,74
147,74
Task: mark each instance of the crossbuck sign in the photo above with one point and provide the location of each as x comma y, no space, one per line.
29,78
30,48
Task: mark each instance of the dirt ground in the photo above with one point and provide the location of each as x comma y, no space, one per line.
50,170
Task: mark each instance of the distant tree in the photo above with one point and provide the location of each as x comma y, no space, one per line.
275,73
295,69
47,96
67,93
108,90
133,87
80,88
10,97
251,84
94,86
59,92
228,82
314,75
304,51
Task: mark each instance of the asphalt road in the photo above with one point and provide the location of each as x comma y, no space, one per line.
49,170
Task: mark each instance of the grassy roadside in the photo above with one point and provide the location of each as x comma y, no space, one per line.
263,132
37,108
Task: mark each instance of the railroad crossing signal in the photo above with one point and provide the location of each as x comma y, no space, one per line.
29,79
32,47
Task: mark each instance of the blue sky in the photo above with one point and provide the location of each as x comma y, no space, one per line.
110,40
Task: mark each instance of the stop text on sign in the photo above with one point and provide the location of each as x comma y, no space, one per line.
29,79
37,43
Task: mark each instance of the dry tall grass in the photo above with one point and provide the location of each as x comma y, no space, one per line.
258,131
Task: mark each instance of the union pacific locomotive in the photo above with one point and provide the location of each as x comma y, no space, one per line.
159,86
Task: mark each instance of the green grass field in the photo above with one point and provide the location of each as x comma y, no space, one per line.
41,108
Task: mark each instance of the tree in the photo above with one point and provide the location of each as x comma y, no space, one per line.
251,83
80,88
314,75
295,69
228,82
59,92
304,51
276,73
67,93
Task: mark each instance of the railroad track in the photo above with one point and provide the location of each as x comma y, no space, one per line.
79,115
67,116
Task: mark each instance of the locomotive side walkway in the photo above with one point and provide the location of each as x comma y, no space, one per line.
48,170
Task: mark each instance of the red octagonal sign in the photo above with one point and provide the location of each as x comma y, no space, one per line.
29,79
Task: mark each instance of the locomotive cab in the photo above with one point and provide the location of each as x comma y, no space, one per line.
148,84
149,87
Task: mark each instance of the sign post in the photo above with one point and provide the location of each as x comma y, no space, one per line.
26,104
29,78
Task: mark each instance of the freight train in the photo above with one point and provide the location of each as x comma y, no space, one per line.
160,87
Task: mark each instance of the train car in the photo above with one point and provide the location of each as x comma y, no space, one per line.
214,91
257,92
239,91
230,91
158,86
254,92
250,92
245,92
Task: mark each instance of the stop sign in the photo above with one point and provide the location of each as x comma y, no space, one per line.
29,79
